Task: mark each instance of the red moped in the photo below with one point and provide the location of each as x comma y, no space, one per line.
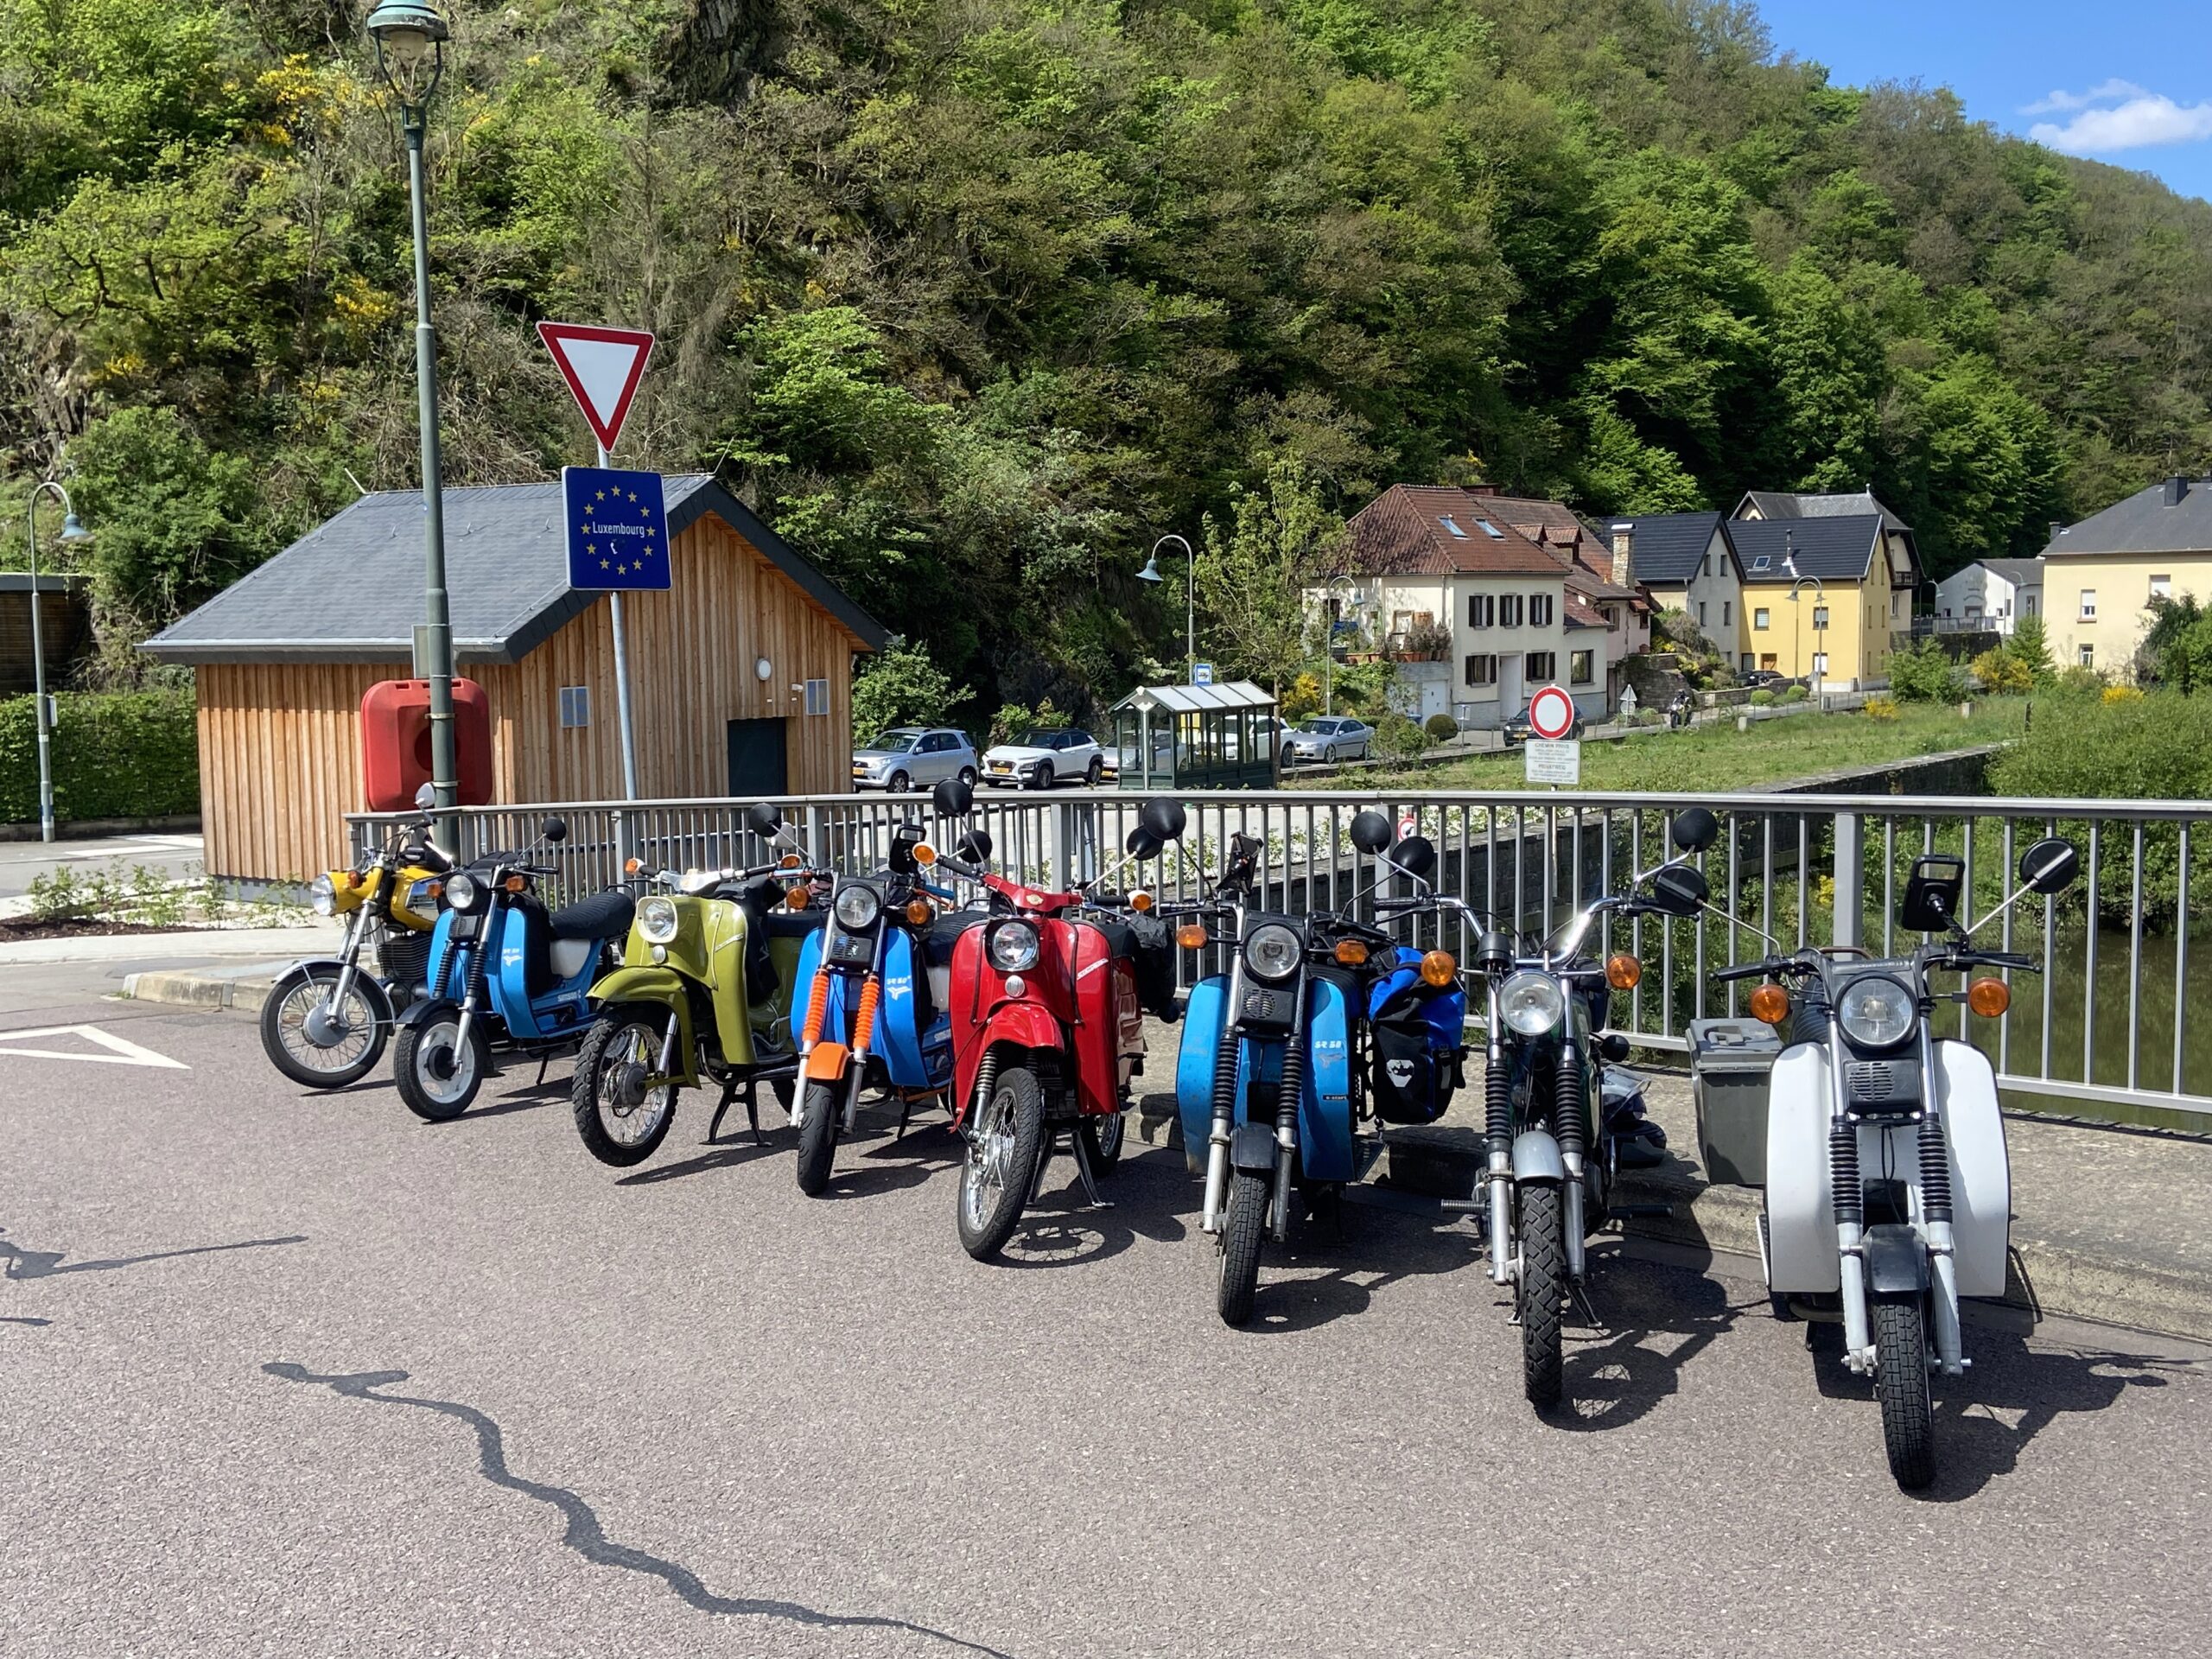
1047,1002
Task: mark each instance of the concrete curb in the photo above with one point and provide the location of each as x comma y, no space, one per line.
245,991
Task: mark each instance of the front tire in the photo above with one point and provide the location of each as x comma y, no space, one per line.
899,784
1242,1230
438,1077
1901,1384
968,776
619,1051
817,1137
366,1017
1102,1142
1001,1163
1095,771
1045,780
1539,1293
1329,756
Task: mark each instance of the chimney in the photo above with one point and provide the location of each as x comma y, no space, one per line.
1624,552
2057,530
2170,493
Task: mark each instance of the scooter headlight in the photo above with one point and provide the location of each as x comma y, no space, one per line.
1877,1012
656,920
1531,1003
857,906
463,890
323,894
1014,947
1272,952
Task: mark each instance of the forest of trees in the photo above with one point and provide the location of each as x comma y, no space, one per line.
974,298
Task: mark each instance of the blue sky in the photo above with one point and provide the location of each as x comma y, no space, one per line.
2124,81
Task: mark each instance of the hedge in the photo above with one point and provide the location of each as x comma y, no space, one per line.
117,754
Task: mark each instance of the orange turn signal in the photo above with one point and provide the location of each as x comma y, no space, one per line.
1352,953
437,889
1989,997
1140,902
515,883
789,861
631,866
795,898
924,855
1190,935
1438,967
1770,1004
1622,971
919,912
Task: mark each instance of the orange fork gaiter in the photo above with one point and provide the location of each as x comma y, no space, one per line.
817,1005
864,1023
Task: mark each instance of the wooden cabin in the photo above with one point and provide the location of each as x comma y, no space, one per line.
740,674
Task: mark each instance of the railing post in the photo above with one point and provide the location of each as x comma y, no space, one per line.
1065,874
1850,879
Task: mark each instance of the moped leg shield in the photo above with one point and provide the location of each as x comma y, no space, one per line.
1800,1210
1981,1175
1202,1021
1536,1157
1253,1148
1897,1261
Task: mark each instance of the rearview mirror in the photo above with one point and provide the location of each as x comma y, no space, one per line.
1680,889
1164,815
553,828
426,797
2049,866
1143,844
764,819
953,798
1694,829
1415,856
974,847
1370,832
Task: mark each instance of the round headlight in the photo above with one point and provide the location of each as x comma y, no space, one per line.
1272,951
656,920
323,894
1014,947
1877,1012
857,906
1531,1003
463,890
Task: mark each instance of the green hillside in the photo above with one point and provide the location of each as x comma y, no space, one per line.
975,299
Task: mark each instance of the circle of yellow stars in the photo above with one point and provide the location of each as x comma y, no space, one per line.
653,532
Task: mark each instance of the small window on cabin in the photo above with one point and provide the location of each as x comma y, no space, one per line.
575,707
1456,533
817,697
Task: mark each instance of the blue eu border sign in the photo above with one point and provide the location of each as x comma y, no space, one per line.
618,529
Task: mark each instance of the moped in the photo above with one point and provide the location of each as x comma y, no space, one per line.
1888,1192
326,1019
1553,1139
876,975
703,991
1047,1025
502,970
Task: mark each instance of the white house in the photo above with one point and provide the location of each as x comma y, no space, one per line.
1687,563
1989,596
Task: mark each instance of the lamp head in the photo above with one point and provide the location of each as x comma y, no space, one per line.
1151,571
72,529
409,39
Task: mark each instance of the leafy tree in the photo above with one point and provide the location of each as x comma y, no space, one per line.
2029,647
1252,577
900,686
1924,673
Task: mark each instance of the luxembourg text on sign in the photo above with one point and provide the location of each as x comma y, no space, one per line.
617,528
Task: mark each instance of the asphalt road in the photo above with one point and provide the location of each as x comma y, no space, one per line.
296,1375
176,856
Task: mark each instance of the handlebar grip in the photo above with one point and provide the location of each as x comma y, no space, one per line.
1994,959
1748,971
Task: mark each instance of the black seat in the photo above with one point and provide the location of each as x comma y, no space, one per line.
602,915
944,933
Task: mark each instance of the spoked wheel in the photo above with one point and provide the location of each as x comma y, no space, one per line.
1242,1230
1102,1142
437,1074
319,1045
817,1137
1001,1163
1901,1383
621,1121
1540,1295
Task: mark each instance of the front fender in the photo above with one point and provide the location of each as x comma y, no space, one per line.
663,988
1252,1147
1897,1261
1536,1157
423,1008
1012,1024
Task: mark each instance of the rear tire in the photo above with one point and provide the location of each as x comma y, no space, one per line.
1001,1163
284,1039
1539,1293
968,776
615,1131
1102,1142
1901,1383
817,1138
1242,1231
438,1080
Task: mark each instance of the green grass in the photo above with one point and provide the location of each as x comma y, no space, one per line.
1719,758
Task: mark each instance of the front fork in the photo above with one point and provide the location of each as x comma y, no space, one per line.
349,960
479,964
1290,1093
1225,1056
1497,1102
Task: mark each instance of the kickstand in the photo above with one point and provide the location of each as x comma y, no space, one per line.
543,1060
906,1106
1583,1297
1082,1170
753,1110
729,1095
1044,1157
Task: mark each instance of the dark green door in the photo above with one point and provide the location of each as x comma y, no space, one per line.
756,759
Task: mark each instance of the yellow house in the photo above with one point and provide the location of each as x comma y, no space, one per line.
2099,576
1828,586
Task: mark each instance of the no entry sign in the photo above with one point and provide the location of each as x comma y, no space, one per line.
1551,712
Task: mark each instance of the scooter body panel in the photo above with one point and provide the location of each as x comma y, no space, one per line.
1325,1125
1981,1171
910,1057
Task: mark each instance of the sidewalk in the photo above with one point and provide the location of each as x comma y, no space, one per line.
206,967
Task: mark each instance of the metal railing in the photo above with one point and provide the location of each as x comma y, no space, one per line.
2114,1018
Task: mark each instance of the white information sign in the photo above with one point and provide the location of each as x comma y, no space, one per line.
1553,760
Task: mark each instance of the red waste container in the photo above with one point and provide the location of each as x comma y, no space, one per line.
396,743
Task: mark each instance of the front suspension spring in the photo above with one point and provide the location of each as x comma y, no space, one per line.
1849,1198
1935,1172
1568,1102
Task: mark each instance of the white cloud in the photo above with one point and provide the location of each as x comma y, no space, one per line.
2105,95
2144,118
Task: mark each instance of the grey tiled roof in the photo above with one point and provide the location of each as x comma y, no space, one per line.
1834,549
1668,548
2144,523
1785,504
2015,571
351,591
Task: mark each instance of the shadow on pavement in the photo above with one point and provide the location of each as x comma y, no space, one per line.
25,1264
583,1531
1618,1374
723,1154
1061,1230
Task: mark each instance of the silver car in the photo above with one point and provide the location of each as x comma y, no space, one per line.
913,757
1329,738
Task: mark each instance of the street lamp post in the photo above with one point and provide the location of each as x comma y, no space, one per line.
1151,572
410,56
1819,625
71,531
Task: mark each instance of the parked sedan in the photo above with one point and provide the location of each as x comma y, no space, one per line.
1041,758
913,757
1329,739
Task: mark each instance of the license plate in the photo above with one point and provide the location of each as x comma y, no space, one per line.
1001,766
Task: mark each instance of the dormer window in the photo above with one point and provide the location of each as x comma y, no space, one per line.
1456,533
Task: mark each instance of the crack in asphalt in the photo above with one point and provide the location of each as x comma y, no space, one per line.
23,1263
583,1532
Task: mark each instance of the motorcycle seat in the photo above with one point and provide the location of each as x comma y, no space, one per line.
602,915
944,933
783,923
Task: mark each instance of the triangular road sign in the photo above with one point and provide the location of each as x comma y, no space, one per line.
602,367
120,1050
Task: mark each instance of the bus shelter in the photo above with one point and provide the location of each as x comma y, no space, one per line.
1185,737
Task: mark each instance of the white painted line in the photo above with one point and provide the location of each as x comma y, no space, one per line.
122,1051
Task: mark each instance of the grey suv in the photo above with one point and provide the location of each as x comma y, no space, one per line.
913,757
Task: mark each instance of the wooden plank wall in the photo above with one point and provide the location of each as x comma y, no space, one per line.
280,744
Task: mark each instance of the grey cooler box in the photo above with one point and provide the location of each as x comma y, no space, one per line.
1730,1060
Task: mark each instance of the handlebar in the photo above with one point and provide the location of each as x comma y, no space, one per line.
1986,959
1765,968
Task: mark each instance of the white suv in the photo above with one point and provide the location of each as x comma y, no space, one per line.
1041,758
913,757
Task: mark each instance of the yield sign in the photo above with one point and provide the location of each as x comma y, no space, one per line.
119,1050
602,367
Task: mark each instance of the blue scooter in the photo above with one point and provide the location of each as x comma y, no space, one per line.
1321,1026
502,969
872,1014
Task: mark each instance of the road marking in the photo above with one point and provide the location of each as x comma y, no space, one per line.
121,1051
